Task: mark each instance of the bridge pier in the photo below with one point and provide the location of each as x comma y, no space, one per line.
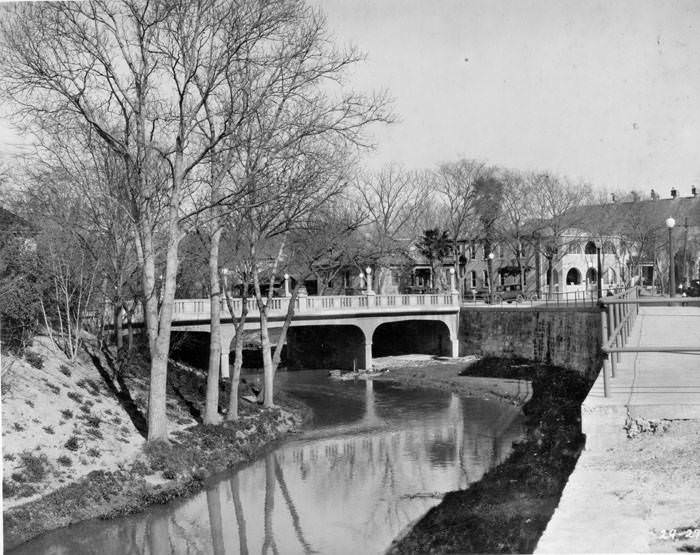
227,334
368,354
455,346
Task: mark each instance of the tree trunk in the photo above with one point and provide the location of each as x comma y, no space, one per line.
211,411
232,413
159,334
264,344
285,327
118,339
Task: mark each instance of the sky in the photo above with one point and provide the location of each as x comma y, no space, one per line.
602,91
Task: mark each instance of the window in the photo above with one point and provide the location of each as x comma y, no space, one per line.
574,248
485,276
472,279
501,279
590,247
608,247
472,249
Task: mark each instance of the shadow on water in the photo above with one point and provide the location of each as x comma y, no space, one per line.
376,459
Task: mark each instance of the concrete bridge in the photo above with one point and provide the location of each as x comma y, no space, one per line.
339,331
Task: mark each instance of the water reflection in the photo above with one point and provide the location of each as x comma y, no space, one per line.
348,488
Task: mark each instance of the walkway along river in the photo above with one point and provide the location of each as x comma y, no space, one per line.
375,458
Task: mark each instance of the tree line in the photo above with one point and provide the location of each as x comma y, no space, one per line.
215,142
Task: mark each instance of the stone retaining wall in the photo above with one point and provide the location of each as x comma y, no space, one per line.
565,337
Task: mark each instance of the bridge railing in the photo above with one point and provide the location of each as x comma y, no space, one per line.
618,314
200,308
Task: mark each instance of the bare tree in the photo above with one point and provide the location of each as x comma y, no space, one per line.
518,205
557,219
395,201
454,185
140,74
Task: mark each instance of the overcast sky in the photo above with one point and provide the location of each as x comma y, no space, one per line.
606,91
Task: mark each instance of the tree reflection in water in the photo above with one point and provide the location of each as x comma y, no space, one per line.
351,492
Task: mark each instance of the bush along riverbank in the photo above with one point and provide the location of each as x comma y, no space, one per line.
105,483
509,508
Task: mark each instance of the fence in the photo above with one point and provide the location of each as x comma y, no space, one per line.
618,314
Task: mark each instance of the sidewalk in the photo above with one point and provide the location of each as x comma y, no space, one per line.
625,493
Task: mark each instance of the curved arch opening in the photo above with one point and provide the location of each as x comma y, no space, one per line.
592,275
429,337
573,277
590,248
325,347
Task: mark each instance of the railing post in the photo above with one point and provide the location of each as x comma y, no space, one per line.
618,337
604,330
611,331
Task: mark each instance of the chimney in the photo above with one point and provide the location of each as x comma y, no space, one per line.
694,191
674,193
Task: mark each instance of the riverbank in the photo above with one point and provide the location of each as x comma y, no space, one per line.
73,447
447,374
509,508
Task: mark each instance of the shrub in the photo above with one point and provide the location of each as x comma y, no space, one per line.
18,427
52,387
93,452
169,474
89,385
63,369
28,402
92,420
73,444
64,460
94,432
85,408
33,466
18,477
77,397
12,489
34,359
140,468
49,429
8,457
66,413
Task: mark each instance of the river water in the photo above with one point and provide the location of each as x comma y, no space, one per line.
375,459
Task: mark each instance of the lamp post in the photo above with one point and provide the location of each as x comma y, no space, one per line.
490,257
600,272
368,273
286,285
671,263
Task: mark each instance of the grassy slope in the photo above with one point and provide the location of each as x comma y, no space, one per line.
95,463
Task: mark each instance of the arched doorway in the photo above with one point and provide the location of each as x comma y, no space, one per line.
592,275
590,248
573,277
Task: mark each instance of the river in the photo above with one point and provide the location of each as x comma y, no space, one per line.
375,458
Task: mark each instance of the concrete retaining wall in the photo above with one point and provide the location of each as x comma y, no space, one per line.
564,337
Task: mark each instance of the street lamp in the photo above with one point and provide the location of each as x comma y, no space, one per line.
670,222
490,257
368,273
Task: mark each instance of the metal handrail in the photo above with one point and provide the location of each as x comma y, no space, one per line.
618,314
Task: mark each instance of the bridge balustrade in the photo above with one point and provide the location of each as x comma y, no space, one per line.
200,308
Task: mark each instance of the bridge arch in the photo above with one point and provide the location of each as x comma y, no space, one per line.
431,337
326,346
